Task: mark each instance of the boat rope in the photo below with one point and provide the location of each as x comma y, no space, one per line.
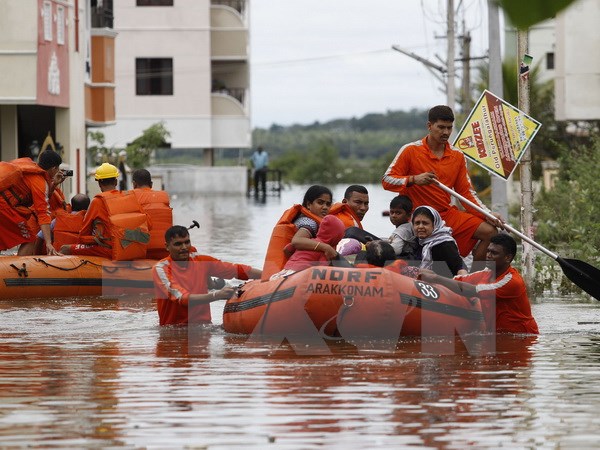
264,316
65,269
344,309
83,262
22,272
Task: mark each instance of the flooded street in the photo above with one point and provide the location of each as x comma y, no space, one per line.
101,373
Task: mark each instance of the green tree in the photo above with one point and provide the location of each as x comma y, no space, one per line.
567,215
141,149
98,152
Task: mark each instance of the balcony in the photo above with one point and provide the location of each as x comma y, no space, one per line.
238,5
102,14
229,31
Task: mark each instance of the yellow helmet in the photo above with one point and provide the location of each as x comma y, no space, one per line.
105,171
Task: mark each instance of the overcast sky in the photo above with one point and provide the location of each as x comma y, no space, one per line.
325,59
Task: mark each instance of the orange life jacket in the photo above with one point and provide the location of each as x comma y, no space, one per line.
346,214
57,203
127,228
12,185
282,234
156,205
67,227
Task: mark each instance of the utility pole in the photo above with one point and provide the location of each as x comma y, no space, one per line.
499,200
525,167
450,88
467,102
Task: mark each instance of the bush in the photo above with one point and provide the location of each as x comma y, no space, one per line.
567,215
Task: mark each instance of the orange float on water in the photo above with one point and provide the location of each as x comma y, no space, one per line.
351,303
25,277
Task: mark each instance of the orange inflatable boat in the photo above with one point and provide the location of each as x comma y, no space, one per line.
73,276
350,303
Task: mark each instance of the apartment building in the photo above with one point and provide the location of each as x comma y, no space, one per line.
47,89
185,63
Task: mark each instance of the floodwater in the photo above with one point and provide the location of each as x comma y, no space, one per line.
84,373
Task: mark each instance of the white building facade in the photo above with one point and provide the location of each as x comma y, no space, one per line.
42,55
577,82
183,63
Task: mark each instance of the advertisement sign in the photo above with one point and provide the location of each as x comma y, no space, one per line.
496,134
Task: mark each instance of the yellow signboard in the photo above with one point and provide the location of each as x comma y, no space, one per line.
496,134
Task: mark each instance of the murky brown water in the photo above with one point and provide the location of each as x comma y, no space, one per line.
102,373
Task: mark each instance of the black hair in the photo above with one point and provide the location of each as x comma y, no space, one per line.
355,188
314,192
49,159
402,202
80,202
176,231
422,211
107,181
142,177
379,253
440,112
507,242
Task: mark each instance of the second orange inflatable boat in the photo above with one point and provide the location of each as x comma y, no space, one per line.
24,277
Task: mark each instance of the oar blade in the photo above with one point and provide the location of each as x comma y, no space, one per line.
584,275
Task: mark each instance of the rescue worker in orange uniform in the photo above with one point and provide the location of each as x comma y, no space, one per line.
157,206
98,235
355,204
24,190
67,225
419,163
504,302
181,281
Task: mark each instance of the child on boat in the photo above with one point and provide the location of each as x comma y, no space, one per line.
403,239
330,232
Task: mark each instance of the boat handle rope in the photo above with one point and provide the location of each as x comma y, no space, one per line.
83,262
345,307
66,269
22,272
264,316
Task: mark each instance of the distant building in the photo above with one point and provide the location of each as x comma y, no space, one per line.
57,77
577,83
566,50
185,63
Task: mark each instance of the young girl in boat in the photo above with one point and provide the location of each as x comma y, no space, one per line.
330,232
299,226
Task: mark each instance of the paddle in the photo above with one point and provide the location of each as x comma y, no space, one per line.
584,275
194,225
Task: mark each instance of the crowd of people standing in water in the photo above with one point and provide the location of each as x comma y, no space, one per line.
430,239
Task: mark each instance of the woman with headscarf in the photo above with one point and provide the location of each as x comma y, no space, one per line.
435,241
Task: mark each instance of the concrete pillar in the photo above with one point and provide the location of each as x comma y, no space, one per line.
9,146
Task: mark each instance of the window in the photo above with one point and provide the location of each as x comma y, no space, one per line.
154,76
47,13
154,2
550,61
60,25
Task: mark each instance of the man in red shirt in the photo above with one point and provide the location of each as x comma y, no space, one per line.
418,163
511,311
181,281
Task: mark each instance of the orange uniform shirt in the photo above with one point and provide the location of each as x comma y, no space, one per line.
38,186
511,312
451,170
174,283
96,216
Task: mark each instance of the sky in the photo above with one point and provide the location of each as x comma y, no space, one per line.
317,60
